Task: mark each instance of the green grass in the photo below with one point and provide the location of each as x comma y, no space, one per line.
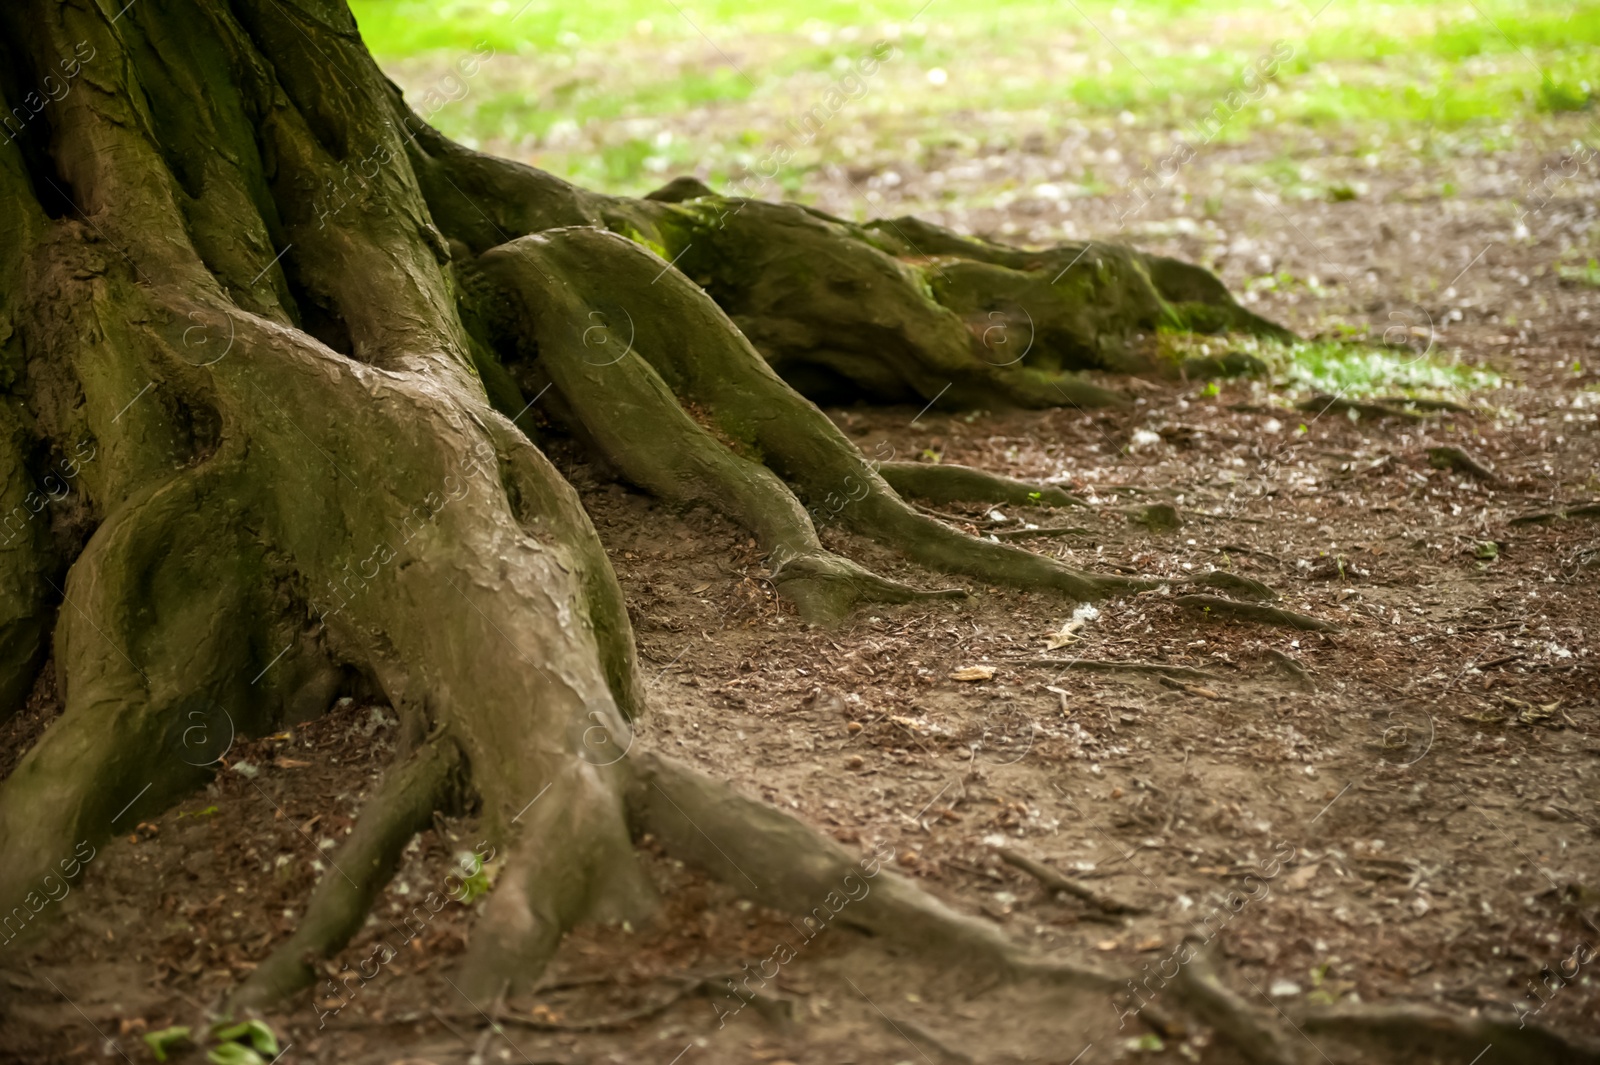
1361,370
1355,367
567,79
1587,274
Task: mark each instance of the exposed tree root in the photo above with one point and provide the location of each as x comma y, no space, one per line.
1217,607
1323,403
1453,458
1029,534
337,909
1421,1030
1056,881
785,865
1235,584
711,369
1256,1038
625,410
1580,510
938,482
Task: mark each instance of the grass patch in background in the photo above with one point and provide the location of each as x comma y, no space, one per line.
1359,370
573,88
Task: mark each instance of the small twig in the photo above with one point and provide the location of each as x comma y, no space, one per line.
1453,458
1240,549
1500,661
1191,689
494,1023
1322,404
1100,666
1229,517
957,519
1056,882
972,870
1492,628
1023,534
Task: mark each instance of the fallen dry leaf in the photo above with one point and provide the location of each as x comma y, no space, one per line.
1297,880
972,673
1068,633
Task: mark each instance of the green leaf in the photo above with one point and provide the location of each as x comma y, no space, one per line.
166,1039
257,1034
234,1054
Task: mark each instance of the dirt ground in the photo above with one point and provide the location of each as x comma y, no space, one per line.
1421,783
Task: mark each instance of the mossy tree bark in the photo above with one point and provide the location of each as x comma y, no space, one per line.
267,343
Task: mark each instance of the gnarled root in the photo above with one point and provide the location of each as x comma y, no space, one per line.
784,864
403,806
624,409
709,367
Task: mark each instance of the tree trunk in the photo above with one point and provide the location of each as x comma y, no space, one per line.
267,344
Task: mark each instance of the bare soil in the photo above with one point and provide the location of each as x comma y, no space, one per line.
1425,776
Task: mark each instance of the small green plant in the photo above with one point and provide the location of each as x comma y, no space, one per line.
476,884
166,1040
1355,370
1563,95
1587,274
246,1043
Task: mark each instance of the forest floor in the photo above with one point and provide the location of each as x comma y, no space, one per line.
1421,784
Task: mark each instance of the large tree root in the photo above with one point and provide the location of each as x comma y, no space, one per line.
625,410
782,863
338,907
708,366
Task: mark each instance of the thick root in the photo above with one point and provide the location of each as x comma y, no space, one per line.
895,311
1216,606
621,406
1422,1031
841,310
709,366
570,860
781,863
944,483
403,806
